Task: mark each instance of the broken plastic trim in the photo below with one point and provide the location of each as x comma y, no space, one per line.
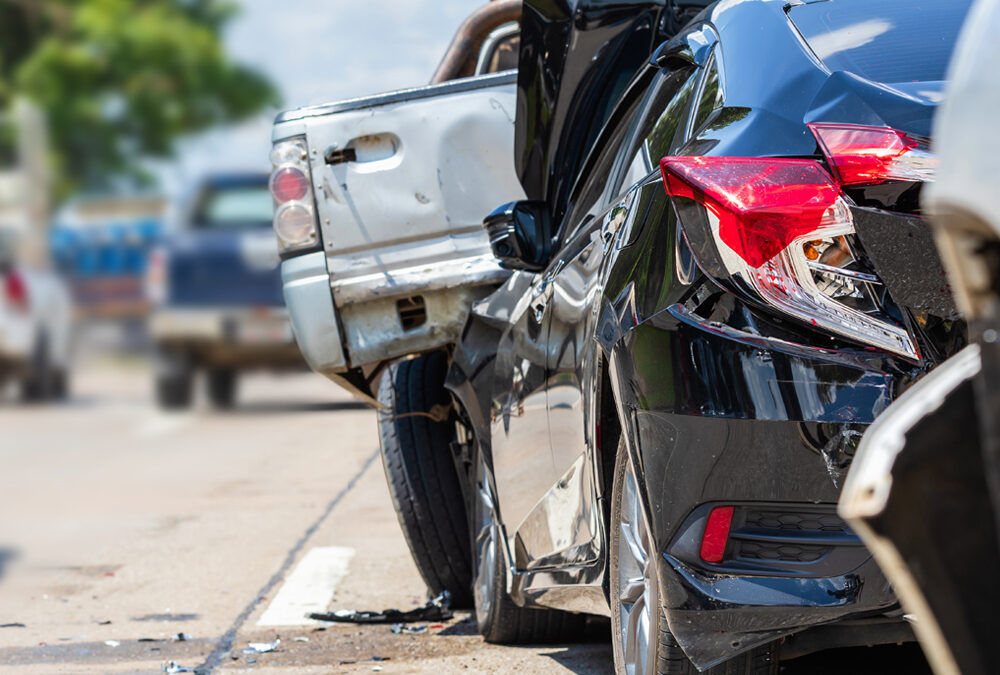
436,609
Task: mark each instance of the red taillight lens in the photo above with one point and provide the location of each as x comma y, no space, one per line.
713,542
781,227
16,291
289,184
861,155
763,205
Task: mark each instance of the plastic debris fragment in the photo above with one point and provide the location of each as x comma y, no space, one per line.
261,647
437,609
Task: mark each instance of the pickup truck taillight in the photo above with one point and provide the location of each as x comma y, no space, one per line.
15,290
780,230
291,186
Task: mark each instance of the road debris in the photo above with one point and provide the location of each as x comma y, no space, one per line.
300,639
261,647
436,609
112,643
180,637
172,667
12,625
106,622
398,628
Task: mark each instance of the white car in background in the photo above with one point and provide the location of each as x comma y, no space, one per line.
35,325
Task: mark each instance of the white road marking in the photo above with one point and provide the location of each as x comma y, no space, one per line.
163,423
309,588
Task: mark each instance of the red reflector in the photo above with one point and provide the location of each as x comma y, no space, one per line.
861,155
289,184
762,205
713,543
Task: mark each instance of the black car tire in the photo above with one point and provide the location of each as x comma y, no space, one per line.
499,619
664,652
36,385
174,380
420,471
221,383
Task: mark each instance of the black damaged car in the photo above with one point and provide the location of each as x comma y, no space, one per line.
656,411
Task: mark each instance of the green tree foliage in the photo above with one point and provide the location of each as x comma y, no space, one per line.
120,80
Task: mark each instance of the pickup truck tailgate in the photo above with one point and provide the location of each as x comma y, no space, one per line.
402,182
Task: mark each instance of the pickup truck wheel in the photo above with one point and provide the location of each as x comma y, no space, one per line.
500,620
222,387
37,383
174,380
423,482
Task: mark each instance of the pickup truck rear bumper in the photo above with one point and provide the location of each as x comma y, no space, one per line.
251,325
402,311
306,285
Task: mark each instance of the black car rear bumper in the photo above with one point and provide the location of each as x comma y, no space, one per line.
723,417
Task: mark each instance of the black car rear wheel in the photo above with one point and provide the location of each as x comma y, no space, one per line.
642,643
416,432
499,619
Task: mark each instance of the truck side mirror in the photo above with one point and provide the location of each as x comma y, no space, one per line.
521,235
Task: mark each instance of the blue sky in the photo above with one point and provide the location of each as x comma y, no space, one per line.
318,51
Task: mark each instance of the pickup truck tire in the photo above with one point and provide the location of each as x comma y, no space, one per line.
37,383
174,380
423,482
221,387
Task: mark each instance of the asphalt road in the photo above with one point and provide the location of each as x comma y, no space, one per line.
123,528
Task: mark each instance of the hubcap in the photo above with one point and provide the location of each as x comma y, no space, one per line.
636,583
485,547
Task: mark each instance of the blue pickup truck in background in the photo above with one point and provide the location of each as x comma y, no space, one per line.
216,290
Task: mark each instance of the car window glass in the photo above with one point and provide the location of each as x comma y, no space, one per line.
595,188
235,207
502,55
662,123
710,96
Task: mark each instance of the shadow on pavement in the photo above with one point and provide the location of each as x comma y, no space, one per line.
6,556
906,659
280,407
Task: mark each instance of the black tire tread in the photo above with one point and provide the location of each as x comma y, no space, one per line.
761,660
420,472
221,387
516,625
175,381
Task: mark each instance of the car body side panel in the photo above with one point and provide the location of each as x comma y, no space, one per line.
522,463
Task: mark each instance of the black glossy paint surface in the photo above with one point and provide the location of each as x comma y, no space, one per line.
720,400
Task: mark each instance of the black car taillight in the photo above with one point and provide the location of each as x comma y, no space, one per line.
779,230
862,155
